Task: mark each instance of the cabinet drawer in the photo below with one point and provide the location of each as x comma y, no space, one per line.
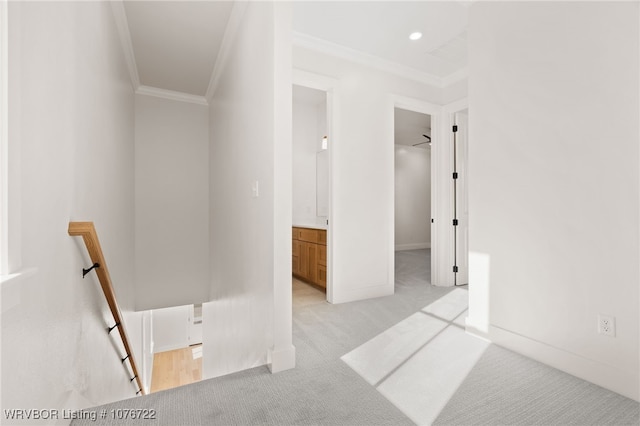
309,235
311,251
322,237
295,233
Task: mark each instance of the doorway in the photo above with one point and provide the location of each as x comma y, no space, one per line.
310,192
412,194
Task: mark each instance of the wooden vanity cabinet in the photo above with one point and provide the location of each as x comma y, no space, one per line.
322,265
309,255
295,267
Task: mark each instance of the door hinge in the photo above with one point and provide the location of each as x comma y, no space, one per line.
455,222
455,268
455,175
455,128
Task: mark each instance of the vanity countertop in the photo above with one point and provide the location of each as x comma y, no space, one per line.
310,226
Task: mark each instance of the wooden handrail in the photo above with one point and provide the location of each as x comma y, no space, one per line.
87,231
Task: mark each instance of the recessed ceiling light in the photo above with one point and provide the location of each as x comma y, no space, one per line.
415,36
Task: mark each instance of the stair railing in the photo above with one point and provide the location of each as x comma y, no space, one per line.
87,231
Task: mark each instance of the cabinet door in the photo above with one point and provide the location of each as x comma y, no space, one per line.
322,266
322,276
295,257
304,260
295,265
322,255
312,252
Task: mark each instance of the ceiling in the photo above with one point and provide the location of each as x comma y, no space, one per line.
175,43
409,127
382,28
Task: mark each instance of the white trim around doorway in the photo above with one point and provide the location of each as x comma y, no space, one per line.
438,244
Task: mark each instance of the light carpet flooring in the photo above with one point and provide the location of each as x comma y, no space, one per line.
420,362
395,360
505,388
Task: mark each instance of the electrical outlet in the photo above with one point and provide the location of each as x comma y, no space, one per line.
606,325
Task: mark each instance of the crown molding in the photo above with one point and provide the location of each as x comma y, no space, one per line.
122,24
312,80
455,77
233,25
352,55
171,95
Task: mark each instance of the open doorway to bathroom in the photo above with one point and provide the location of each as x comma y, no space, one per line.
310,194
412,189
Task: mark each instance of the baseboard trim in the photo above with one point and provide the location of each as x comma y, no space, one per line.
281,359
413,246
622,382
173,347
363,293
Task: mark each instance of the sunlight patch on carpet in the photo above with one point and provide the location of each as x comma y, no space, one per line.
420,362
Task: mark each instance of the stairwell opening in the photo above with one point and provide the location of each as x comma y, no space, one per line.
177,347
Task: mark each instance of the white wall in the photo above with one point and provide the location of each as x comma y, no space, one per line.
249,316
141,339
171,327
553,183
309,126
171,202
412,197
72,105
455,91
362,172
